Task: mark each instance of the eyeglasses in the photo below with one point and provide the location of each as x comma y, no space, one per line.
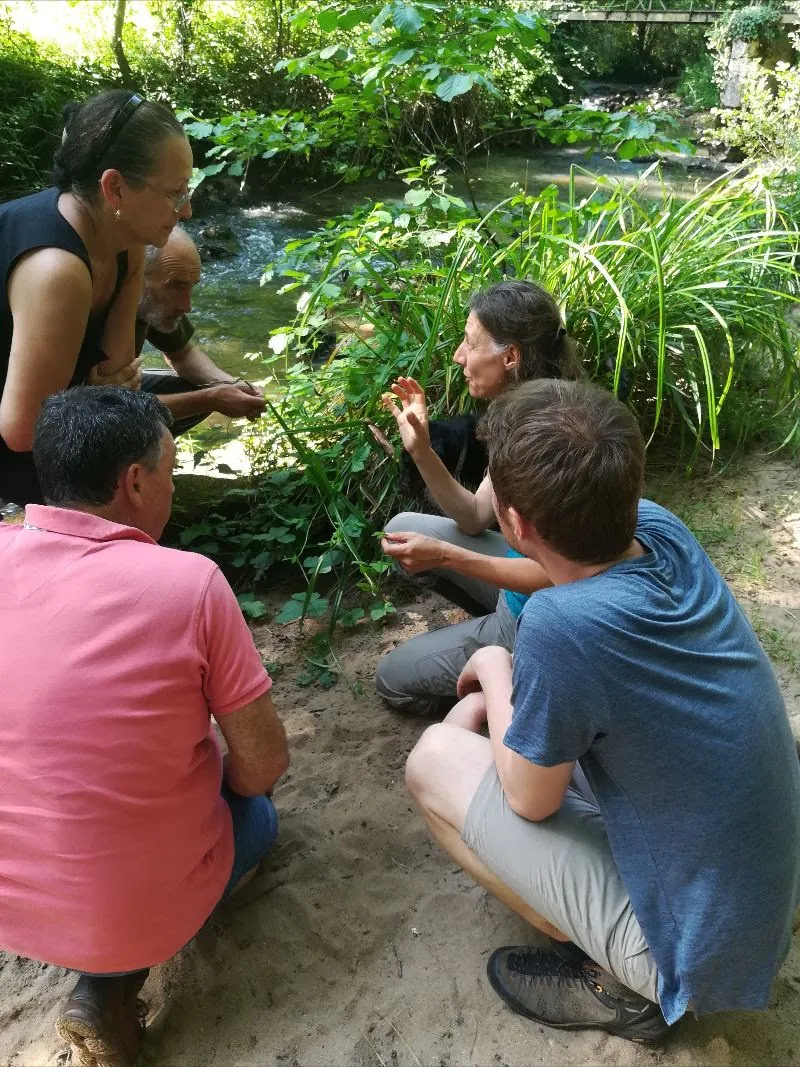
178,200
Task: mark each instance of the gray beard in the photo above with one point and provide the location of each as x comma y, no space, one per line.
149,313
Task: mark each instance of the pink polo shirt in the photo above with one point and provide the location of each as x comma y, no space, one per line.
115,844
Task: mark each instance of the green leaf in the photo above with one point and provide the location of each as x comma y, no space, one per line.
402,221
352,18
528,21
380,609
236,169
640,128
401,57
292,610
278,342
415,197
328,52
455,85
328,20
280,534
191,533
199,130
628,149
251,607
352,617
316,606
406,18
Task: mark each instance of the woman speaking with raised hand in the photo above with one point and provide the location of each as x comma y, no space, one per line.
514,332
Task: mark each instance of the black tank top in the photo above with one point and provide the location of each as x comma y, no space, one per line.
27,224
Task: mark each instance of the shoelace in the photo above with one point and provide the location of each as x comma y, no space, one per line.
542,965
551,967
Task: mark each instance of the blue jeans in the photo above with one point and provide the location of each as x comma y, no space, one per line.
255,827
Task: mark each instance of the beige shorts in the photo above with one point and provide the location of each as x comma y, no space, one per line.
563,868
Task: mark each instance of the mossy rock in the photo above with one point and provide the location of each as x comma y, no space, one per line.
198,495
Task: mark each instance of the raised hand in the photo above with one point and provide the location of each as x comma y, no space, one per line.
411,414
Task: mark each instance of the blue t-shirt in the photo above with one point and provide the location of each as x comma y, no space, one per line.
516,601
651,676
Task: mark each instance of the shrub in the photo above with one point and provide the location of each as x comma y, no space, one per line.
766,126
757,22
35,83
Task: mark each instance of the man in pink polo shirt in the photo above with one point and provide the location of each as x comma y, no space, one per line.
121,826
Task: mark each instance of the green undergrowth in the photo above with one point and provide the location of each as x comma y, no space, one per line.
692,297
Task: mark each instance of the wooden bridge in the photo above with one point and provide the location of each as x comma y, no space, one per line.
648,11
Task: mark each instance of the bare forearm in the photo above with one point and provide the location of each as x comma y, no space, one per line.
455,501
184,405
494,676
270,774
519,575
196,367
534,792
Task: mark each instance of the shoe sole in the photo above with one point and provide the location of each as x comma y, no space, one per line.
90,1041
638,1039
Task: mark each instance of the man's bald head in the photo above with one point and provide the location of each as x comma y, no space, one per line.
179,252
170,275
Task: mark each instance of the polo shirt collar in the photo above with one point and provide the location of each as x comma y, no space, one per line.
81,524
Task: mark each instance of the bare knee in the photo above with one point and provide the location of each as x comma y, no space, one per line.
424,764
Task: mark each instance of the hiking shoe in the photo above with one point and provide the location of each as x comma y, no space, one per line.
549,989
100,1024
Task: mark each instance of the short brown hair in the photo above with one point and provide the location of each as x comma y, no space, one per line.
524,314
569,457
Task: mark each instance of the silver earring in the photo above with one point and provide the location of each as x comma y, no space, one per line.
116,215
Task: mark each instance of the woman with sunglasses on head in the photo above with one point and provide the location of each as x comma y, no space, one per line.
72,259
514,332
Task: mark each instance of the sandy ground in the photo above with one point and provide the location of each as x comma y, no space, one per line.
358,942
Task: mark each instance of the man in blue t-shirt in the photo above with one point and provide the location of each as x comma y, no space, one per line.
638,796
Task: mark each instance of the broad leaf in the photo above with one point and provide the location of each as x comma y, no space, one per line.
199,129
455,85
327,20
278,342
406,18
415,197
251,606
401,57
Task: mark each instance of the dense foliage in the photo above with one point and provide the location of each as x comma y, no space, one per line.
351,88
35,83
766,128
398,80
691,296
755,22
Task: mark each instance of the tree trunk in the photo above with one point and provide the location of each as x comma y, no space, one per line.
116,44
184,31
